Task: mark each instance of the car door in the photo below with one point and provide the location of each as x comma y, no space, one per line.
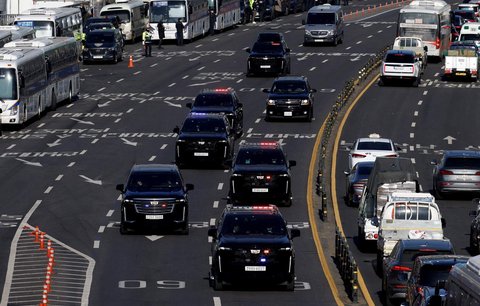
238,113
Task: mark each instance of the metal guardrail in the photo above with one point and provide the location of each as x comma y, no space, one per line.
346,265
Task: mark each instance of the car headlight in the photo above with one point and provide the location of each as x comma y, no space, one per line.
271,102
307,32
127,201
180,201
236,174
180,140
305,102
85,49
224,249
14,110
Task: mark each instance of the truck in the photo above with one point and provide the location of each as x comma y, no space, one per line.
401,65
461,62
414,44
408,216
388,175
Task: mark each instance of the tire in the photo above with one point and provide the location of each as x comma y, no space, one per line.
115,58
123,229
185,229
70,94
335,42
53,106
416,82
290,286
217,283
438,194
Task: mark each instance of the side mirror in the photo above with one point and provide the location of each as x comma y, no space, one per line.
434,162
313,90
212,232
248,50
444,222
294,232
347,173
120,187
240,104
189,187
303,21
266,90
176,130
292,163
425,48
287,49
189,105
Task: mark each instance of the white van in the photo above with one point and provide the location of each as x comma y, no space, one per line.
324,23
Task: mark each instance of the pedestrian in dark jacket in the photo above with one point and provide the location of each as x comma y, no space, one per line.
179,25
161,34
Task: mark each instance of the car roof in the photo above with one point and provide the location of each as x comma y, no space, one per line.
264,145
462,153
386,140
155,168
300,78
415,244
406,52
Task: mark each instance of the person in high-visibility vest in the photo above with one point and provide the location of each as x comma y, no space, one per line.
147,42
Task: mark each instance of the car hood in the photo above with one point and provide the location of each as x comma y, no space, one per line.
319,27
260,169
255,241
178,194
214,109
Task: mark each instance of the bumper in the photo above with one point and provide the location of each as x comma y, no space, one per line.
297,111
319,39
458,187
260,194
178,218
201,155
259,67
107,56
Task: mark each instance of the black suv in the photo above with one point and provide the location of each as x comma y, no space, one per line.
268,57
290,97
223,101
204,137
103,45
261,173
252,243
155,197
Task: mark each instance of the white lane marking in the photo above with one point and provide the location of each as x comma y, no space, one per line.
313,68
412,148
119,80
210,239
415,114
425,92
110,213
41,124
379,31
198,46
171,85
210,260
420,102
217,60
96,244
152,158
220,186
348,48
215,39
369,36
238,81
215,204
153,65
69,105
324,61
71,164
59,177
138,72
185,77
119,197
212,221
412,135
11,146
83,152
129,110
101,229
436,74
258,120
414,124
249,130
95,140
226,171
117,121
358,42
421,188
217,301
163,147
49,188
201,68
102,89
413,160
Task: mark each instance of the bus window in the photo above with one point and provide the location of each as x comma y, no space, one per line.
8,84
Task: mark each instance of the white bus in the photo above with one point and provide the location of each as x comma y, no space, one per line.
18,32
194,15
226,12
428,20
132,16
58,78
54,22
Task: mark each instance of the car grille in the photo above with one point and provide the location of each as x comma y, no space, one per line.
319,33
154,206
266,60
288,101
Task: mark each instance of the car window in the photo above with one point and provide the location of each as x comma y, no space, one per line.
462,163
409,256
364,170
430,274
411,212
196,125
374,145
100,38
259,157
321,18
209,100
267,47
253,224
147,181
289,87
400,58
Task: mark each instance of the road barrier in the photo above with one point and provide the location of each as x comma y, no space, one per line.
346,265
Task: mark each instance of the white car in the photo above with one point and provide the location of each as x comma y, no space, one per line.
367,149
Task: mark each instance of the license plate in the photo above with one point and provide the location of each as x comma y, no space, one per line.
98,56
318,40
287,114
259,189
461,73
255,268
265,66
200,154
154,217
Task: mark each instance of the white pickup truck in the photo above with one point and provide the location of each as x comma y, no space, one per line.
461,62
408,216
401,65
415,44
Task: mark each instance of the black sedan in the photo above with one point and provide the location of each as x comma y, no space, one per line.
268,58
356,179
290,97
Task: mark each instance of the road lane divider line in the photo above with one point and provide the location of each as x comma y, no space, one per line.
333,170
110,213
220,186
96,244
217,301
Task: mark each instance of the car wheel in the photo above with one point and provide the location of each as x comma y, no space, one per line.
416,82
290,286
123,228
217,283
335,42
184,230
438,194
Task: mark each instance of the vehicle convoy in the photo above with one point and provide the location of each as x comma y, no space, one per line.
414,44
154,198
388,175
401,65
261,173
461,62
408,216
251,244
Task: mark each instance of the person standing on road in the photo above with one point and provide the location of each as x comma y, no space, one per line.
161,34
147,42
179,26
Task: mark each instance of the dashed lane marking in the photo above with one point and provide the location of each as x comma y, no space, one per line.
102,89
96,244
220,186
110,213
101,229
119,80
215,204
152,158
59,177
49,188
71,164
163,146
11,146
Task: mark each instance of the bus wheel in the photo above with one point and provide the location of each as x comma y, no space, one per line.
39,110
70,94
53,106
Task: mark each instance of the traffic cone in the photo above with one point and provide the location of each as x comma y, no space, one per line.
130,62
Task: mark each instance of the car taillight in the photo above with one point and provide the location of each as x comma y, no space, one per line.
401,268
446,172
437,43
356,155
477,173
358,185
420,290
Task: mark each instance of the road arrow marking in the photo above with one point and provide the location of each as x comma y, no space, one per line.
91,181
153,237
26,162
54,144
128,142
449,139
84,122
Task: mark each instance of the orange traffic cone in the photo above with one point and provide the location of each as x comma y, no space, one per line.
130,62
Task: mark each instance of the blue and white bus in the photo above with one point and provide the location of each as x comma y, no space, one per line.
194,15
226,13
36,75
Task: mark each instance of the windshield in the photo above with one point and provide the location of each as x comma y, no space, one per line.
213,100
97,26
253,224
399,58
151,181
258,156
321,18
289,87
418,18
375,145
270,47
123,15
473,37
42,28
463,163
203,125
469,15
100,39
167,11
421,25
8,84
430,275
